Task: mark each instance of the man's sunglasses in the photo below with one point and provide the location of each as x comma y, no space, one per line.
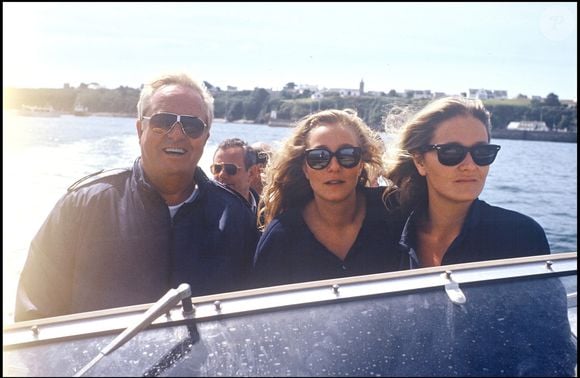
261,158
162,123
229,168
319,158
453,153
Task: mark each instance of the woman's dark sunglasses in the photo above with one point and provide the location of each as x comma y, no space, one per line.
319,158
230,169
453,153
162,123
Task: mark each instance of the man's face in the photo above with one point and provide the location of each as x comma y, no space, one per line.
240,182
172,153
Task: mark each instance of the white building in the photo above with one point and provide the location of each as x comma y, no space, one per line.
418,94
487,94
528,125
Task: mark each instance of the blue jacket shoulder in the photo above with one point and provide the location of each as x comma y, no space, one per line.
99,176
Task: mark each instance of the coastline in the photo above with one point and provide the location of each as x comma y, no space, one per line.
281,123
546,136
239,121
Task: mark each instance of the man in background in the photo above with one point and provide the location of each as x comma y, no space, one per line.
264,153
234,165
127,236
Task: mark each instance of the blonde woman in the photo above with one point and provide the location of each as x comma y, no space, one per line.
321,218
439,170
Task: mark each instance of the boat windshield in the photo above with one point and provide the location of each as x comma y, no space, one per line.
388,325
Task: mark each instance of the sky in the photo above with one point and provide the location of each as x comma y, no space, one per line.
523,48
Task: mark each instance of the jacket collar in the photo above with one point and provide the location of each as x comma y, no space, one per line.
408,240
139,180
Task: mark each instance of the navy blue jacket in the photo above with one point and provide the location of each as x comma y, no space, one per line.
288,251
488,233
111,242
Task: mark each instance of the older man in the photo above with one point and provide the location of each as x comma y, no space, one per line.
125,237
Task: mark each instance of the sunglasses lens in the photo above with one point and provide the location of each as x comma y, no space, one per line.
192,126
215,169
230,169
348,157
451,154
318,158
162,122
484,154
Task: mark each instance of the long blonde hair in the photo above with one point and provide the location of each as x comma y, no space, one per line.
287,187
410,188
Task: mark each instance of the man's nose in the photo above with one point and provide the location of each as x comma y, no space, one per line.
176,128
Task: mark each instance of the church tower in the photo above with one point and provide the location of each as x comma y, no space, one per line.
361,88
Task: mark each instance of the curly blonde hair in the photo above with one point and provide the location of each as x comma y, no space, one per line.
287,187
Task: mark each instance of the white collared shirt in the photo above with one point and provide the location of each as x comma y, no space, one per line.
173,208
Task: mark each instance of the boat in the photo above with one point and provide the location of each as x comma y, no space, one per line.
81,111
38,111
547,136
281,123
508,317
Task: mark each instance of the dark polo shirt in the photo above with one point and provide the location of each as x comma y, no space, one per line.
288,251
488,233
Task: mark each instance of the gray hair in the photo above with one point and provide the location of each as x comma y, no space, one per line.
176,79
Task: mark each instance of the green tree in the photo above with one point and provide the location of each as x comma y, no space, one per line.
502,115
551,115
236,112
552,100
254,104
565,122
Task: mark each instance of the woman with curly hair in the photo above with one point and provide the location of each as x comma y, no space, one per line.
321,217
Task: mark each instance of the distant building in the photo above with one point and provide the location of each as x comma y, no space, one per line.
230,88
418,94
486,94
375,93
568,103
528,125
344,92
361,88
301,88
502,95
